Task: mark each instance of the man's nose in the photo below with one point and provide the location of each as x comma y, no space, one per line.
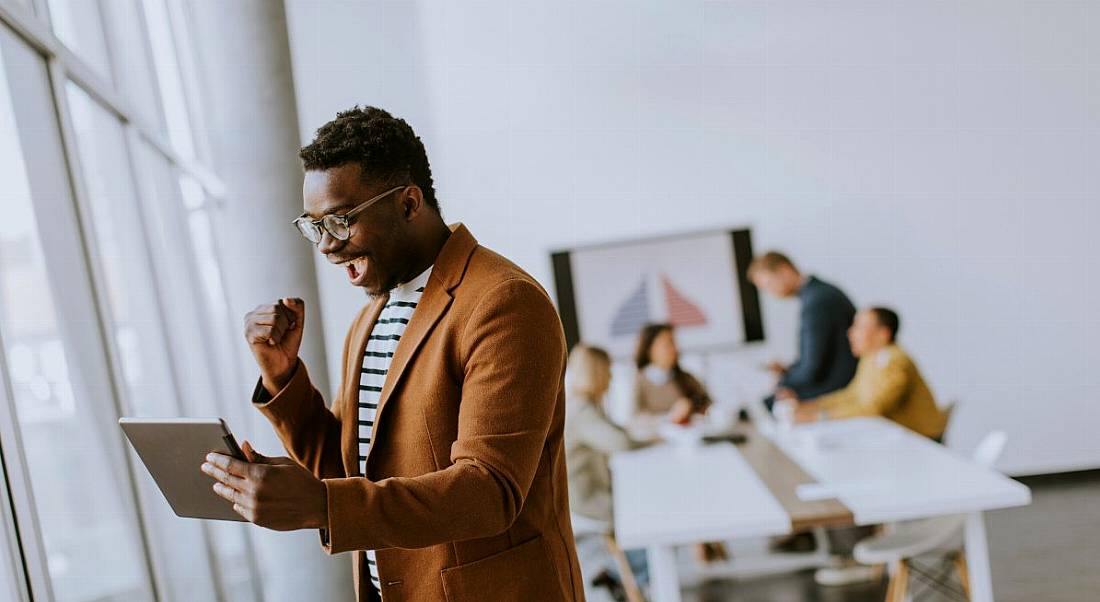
329,243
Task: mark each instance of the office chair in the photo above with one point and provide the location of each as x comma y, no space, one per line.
585,526
908,540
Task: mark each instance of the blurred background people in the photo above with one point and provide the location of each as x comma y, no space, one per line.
662,387
590,436
590,439
664,390
887,382
825,362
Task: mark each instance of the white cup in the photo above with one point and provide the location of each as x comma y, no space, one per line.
783,410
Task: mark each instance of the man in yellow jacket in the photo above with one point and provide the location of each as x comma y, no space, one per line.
887,382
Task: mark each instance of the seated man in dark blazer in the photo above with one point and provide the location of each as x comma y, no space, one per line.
825,362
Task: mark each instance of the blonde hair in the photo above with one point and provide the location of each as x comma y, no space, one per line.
583,371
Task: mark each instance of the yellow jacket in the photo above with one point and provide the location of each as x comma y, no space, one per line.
888,384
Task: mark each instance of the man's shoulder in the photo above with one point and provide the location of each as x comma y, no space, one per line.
487,269
892,356
820,293
493,286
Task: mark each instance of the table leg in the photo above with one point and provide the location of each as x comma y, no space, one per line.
664,582
977,559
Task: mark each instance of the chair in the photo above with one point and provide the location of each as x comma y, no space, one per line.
585,526
914,538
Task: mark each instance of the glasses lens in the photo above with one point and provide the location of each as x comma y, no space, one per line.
311,232
337,226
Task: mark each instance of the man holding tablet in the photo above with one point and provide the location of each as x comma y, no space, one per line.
440,464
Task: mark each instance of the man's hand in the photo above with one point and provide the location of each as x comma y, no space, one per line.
274,332
276,493
807,412
786,393
776,368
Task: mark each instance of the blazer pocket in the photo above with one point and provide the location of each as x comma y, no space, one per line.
523,572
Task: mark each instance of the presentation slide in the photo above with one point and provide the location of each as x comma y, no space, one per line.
696,282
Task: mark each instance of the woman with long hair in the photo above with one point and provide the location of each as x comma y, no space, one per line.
662,386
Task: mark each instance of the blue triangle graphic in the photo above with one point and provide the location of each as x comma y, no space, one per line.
633,314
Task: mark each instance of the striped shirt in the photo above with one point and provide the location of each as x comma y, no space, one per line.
381,345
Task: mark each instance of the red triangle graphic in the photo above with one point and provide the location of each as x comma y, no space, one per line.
681,311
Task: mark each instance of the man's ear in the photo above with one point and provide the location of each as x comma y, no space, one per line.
412,202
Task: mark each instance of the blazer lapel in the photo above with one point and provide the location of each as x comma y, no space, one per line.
349,431
449,268
433,304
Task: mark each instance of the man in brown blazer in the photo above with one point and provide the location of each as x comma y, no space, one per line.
445,477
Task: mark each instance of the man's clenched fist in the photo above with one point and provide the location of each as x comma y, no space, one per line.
274,332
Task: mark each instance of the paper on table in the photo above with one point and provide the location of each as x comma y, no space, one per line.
811,492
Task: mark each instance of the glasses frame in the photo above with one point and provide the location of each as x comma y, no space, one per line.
344,218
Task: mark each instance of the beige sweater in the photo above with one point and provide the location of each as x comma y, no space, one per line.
590,439
651,398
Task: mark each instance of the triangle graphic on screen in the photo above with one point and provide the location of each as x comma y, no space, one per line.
633,314
681,310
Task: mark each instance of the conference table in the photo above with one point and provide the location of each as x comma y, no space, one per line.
861,471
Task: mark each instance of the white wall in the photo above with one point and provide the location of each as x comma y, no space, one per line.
935,156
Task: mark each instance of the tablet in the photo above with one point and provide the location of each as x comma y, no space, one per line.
173,449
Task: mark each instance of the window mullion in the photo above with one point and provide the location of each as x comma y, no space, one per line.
24,513
38,35
143,189
111,356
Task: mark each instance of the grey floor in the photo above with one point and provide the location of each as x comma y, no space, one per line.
1050,550
1046,552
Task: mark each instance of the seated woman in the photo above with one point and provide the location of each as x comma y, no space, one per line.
664,390
590,439
662,387
590,436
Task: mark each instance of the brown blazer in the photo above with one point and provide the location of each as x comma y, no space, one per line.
465,493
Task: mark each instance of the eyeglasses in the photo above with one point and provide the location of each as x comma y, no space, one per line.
338,226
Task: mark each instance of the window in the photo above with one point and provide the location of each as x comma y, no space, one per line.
9,580
205,248
135,76
169,76
140,340
121,252
12,577
92,545
88,282
78,24
202,369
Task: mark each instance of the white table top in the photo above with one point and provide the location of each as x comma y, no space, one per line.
671,495
879,470
883,472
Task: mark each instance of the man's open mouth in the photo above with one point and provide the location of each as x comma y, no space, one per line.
355,266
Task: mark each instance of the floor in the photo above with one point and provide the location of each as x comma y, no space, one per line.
1048,551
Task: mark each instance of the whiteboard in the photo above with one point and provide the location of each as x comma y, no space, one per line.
695,282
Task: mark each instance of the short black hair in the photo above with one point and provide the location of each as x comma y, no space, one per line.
385,147
888,319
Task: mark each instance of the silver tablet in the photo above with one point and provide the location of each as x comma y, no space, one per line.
173,449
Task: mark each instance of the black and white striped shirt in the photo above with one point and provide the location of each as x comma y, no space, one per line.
377,357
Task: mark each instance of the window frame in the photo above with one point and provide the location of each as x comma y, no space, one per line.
53,188
29,24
